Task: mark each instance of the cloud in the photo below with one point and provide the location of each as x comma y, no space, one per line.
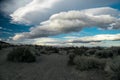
96,38
71,37
40,41
9,6
34,11
1,28
48,41
74,21
31,12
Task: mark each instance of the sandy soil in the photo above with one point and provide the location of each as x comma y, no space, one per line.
47,67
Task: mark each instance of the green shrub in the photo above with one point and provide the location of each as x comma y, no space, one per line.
79,52
115,68
90,52
44,52
34,51
104,54
87,63
0,47
71,58
116,50
21,55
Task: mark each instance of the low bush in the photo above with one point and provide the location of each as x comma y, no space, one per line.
71,58
21,55
0,47
104,54
79,52
115,68
34,51
87,63
90,52
44,52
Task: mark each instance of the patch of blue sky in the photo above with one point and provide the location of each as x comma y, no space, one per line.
116,5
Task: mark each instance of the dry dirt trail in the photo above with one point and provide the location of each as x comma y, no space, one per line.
47,67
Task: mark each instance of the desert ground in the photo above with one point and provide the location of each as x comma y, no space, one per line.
47,67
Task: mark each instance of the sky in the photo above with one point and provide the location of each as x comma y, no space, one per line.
61,22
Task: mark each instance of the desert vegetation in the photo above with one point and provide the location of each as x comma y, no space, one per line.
75,61
21,54
0,47
114,68
88,63
105,59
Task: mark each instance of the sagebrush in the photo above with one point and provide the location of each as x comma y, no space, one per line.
21,54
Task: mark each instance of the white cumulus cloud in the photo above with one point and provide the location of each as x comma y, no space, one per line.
96,40
32,11
73,21
35,11
9,6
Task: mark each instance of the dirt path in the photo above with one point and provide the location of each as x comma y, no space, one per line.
47,67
